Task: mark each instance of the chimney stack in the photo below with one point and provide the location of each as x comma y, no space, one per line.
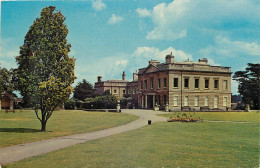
135,77
154,62
203,60
123,75
99,78
169,58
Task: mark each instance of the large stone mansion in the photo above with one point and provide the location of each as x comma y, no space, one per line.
179,85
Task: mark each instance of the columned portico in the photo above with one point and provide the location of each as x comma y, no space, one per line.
149,100
145,101
153,101
142,103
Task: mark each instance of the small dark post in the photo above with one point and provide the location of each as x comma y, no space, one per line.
149,122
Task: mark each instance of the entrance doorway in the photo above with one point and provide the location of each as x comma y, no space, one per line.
150,101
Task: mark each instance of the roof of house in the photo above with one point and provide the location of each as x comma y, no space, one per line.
155,66
116,80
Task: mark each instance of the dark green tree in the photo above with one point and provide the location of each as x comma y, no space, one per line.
45,71
249,85
6,84
84,90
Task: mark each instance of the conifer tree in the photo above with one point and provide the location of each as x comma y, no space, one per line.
249,85
84,90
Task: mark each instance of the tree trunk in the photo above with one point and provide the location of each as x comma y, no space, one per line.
43,126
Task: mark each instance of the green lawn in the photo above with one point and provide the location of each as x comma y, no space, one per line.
22,127
162,145
220,116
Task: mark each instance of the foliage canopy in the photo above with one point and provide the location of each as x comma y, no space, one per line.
6,84
45,71
249,85
84,90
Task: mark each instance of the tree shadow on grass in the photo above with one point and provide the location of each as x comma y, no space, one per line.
19,130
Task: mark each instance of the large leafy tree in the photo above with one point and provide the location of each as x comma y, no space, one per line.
84,90
249,85
6,84
45,71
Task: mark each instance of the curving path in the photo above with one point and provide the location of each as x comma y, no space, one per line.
18,152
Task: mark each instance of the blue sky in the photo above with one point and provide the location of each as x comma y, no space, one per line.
109,37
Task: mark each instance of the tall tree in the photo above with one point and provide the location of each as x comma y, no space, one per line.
84,90
249,85
6,84
45,71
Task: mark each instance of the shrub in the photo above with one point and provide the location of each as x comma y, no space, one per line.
101,102
123,102
78,104
70,104
17,106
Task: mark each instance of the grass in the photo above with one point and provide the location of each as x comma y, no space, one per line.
162,145
22,127
220,116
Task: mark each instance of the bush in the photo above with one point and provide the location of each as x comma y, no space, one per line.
17,106
123,102
78,104
240,106
88,104
70,104
101,102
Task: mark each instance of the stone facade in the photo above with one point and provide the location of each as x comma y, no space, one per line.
114,87
184,85
132,91
120,88
181,85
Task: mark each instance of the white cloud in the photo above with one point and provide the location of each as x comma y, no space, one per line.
111,66
98,5
212,62
165,18
229,47
226,48
108,68
142,55
174,20
143,12
155,53
115,19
